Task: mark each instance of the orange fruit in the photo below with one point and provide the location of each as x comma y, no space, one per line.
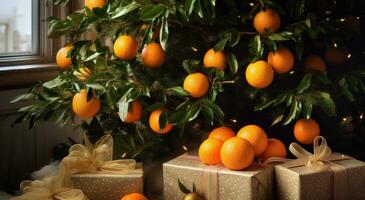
153,56
256,136
134,196
215,59
237,153
222,133
134,112
282,60
266,20
314,62
197,84
91,4
306,130
209,151
84,108
275,148
154,122
335,56
62,60
125,47
259,74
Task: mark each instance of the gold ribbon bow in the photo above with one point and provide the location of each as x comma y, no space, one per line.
95,159
48,189
322,156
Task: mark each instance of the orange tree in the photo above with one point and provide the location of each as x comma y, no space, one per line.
158,72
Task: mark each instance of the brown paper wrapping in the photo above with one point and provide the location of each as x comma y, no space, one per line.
252,183
315,182
103,186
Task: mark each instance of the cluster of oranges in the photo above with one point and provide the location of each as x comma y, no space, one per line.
134,196
237,152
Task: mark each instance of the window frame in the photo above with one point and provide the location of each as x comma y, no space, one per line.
37,66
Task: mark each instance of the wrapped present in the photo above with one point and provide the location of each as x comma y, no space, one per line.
92,169
215,182
321,175
49,188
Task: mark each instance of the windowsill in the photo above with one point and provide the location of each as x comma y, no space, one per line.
24,75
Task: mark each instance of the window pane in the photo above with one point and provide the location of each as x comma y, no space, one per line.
18,27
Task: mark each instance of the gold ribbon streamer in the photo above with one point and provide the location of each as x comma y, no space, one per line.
95,159
322,156
48,189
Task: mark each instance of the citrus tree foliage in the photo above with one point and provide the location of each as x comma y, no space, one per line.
186,29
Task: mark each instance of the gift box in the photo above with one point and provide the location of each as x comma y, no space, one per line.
216,182
322,175
103,186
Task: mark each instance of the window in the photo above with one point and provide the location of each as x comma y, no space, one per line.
18,27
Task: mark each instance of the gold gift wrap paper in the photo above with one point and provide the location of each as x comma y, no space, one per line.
107,186
315,182
253,183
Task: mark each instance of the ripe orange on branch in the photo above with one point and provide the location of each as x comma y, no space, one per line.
134,196
306,130
237,153
125,47
335,56
215,59
209,151
275,148
84,108
91,4
154,122
222,133
153,56
266,20
282,60
134,112
256,136
197,84
314,62
259,74
62,60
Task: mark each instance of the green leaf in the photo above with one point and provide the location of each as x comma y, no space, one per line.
93,56
152,12
218,112
164,32
189,6
178,91
163,120
307,109
232,62
183,188
234,39
221,44
324,100
199,9
295,110
283,36
123,105
122,11
96,86
278,119
304,83
193,111
54,83
208,114
257,46
22,97
178,117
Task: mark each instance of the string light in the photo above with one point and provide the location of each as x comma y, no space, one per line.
291,72
328,19
342,19
349,56
124,155
194,49
252,4
358,18
361,116
335,44
185,148
344,119
233,120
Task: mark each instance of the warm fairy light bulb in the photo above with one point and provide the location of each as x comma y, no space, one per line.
234,120
342,19
194,49
124,155
361,116
349,56
358,18
185,148
252,4
291,72
344,119
335,44
328,19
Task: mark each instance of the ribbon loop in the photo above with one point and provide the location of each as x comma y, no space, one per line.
94,159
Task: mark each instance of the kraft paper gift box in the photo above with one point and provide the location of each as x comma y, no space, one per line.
108,186
92,169
322,176
216,182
